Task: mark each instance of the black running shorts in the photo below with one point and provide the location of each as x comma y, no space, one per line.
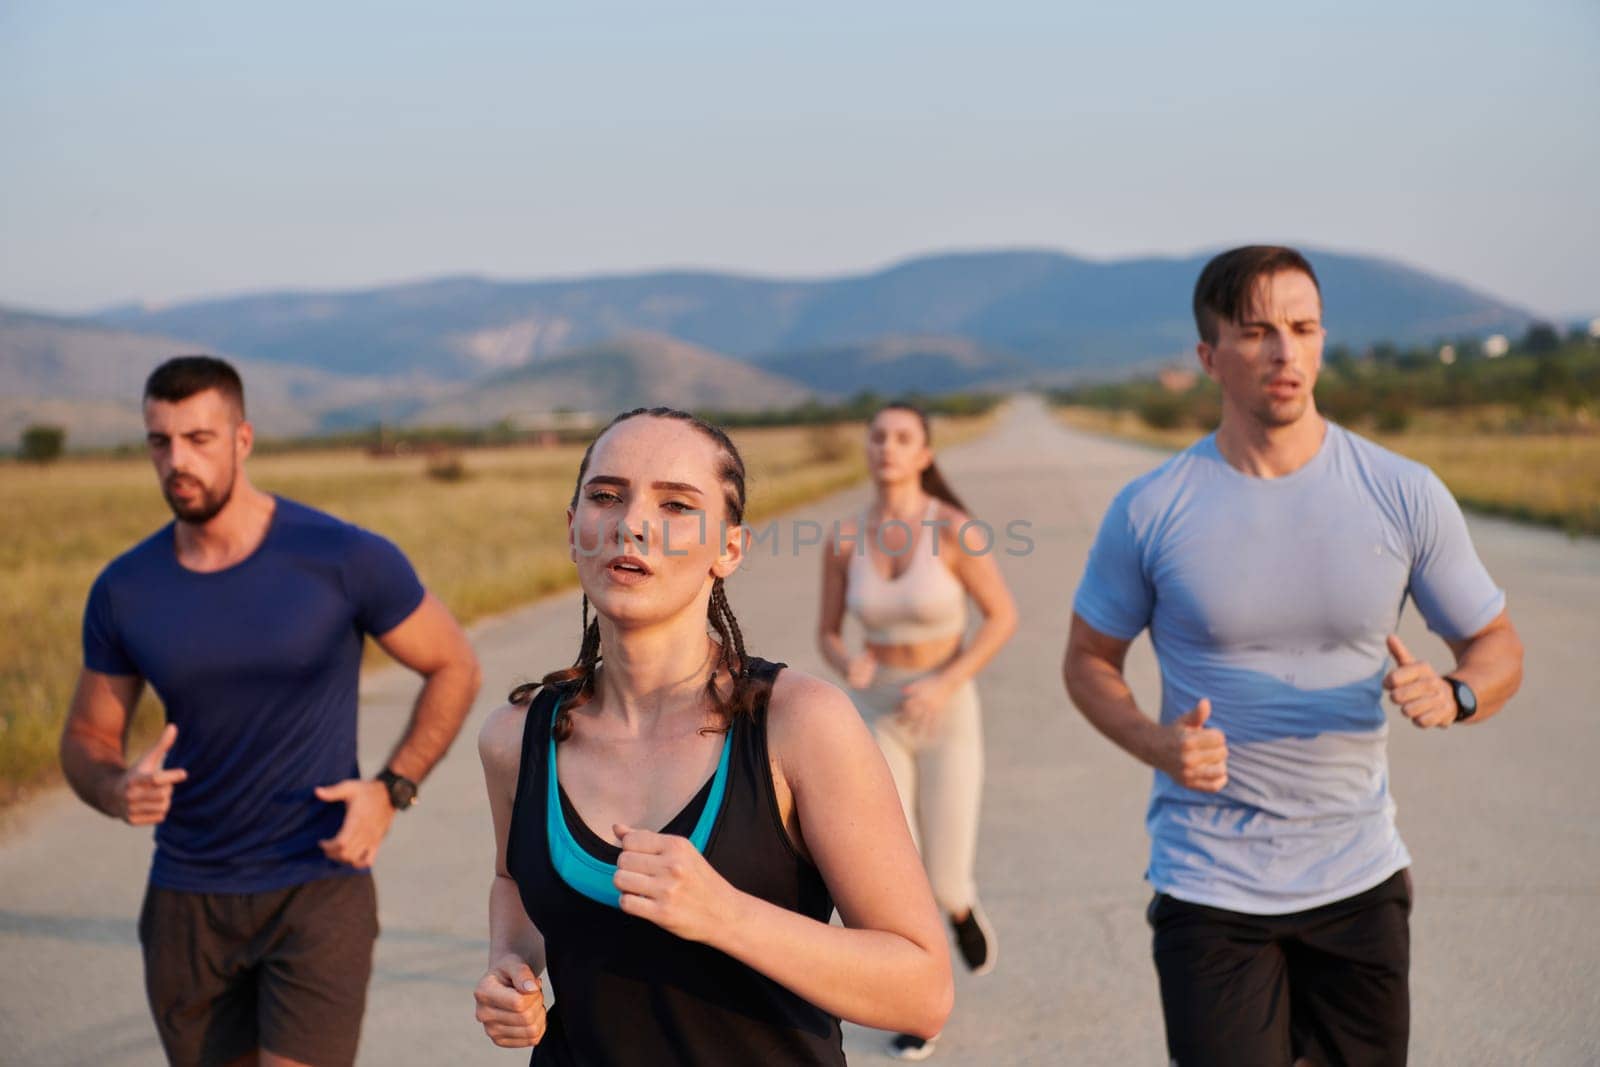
1328,984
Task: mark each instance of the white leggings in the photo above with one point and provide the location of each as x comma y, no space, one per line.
939,773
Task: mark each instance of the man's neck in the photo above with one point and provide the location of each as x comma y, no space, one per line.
1270,451
231,535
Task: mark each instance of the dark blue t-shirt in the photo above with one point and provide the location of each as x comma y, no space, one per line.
258,666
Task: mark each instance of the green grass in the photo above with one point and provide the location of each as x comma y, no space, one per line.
488,541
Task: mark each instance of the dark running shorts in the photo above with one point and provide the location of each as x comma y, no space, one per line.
285,970
1328,984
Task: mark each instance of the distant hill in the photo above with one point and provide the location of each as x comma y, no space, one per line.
89,378
473,351
632,370
1051,309
896,364
462,328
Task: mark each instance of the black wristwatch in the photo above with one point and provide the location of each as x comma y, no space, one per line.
1466,699
402,790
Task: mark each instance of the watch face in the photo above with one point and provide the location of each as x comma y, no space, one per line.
402,791
1466,699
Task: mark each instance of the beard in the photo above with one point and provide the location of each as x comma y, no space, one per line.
201,510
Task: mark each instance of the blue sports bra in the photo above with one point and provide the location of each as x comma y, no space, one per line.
590,875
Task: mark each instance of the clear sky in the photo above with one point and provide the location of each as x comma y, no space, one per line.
159,151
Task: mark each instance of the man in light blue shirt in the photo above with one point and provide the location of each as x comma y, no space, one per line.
1270,562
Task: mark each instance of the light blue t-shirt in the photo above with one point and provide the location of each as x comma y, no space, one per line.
1273,598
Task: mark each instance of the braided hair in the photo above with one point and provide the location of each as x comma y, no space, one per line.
578,681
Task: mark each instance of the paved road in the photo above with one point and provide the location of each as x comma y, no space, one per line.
1501,821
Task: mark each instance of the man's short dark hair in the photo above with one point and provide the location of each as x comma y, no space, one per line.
181,377
1228,283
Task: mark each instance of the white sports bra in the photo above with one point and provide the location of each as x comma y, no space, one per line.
925,603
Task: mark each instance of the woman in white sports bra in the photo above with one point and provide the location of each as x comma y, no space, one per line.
905,569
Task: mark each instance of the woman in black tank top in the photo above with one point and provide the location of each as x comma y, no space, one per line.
676,820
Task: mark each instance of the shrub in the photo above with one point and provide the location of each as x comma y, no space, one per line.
1162,412
42,443
1393,415
446,465
831,444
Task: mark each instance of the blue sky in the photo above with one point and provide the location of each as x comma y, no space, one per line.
162,151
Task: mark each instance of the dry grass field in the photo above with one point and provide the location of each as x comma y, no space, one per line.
487,542
1550,478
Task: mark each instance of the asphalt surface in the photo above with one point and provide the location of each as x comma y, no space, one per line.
1500,819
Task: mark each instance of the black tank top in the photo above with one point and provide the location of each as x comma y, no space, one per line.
628,992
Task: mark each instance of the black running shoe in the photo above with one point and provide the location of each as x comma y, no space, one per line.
975,938
911,1047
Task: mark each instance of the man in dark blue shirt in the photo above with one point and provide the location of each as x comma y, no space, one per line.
247,616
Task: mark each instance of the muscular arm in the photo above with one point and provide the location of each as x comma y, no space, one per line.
1192,754
1093,671
92,749
92,752
93,756
1490,661
1448,582
430,643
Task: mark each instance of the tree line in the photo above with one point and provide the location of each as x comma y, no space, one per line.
41,443
1542,381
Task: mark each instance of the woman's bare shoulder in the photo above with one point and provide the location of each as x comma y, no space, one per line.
500,738
950,517
805,713
960,532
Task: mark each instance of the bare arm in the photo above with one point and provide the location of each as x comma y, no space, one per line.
430,643
888,966
92,747
500,750
1194,755
510,1001
972,562
93,752
1490,662
830,623
1095,682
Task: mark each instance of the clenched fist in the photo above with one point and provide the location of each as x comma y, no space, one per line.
664,879
511,1004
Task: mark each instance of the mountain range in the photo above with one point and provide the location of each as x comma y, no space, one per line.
469,349
88,377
